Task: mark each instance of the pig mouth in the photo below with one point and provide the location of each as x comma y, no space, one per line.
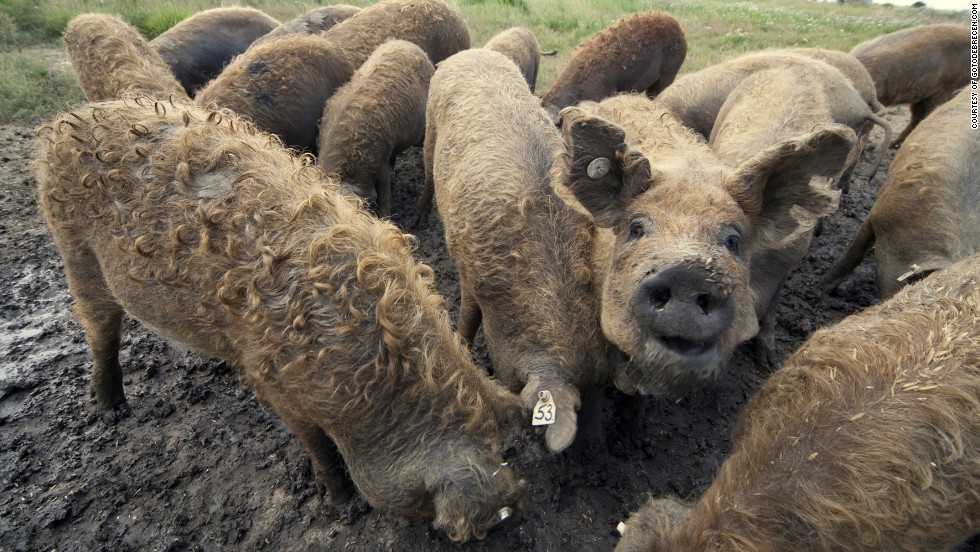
688,349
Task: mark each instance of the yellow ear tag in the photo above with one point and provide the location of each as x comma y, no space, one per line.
545,410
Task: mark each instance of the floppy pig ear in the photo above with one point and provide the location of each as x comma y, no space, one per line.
777,189
602,172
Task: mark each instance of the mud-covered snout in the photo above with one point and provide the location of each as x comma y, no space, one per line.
685,307
506,513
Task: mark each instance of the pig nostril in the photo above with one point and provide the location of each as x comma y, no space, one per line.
659,297
705,302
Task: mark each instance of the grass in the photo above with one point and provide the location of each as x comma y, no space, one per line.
32,87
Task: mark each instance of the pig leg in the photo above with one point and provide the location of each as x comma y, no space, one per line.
383,188
101,317
429,188
765,340
920,110
328,465
470,316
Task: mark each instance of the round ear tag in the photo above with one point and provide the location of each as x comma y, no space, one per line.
598,168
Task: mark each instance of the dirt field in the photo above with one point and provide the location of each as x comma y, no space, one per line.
200,464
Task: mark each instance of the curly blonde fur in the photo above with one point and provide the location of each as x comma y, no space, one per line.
212,234
112,59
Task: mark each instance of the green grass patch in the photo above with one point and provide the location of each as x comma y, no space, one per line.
153,23
715,29
34,85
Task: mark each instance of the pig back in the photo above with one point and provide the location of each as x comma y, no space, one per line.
913,64
928,212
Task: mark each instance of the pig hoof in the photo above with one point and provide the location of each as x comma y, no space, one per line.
766,357
353,510
112,416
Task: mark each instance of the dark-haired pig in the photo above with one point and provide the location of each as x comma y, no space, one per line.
868,438
316,21
640,52
922,66
927,214
216,236
197,48
281,86
374,117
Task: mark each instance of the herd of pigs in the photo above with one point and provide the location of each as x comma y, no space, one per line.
229,186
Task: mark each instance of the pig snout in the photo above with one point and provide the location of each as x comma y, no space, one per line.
684,308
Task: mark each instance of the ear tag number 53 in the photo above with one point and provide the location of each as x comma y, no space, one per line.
545,410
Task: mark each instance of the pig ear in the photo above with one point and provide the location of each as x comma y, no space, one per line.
777,189
602,172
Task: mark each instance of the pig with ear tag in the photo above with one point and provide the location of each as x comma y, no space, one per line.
676,231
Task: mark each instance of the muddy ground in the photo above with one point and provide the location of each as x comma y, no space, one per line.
200,464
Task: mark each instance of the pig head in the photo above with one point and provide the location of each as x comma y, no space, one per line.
677,230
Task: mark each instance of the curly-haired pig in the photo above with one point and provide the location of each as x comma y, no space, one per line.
696,98
521,254
215,236
677,231
197,48
281,86
765,109
520,45
378,114
112,59
641,52
927,214
433,25
868,438
315,21
922,66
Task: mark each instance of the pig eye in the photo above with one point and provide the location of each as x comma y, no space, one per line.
636,230
734,244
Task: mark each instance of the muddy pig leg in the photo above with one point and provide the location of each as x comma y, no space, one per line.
329,470
101,317
383,188
765,340
470,316
429,187
918,110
